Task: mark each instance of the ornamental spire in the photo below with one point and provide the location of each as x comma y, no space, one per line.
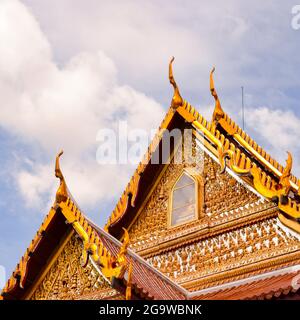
62,191
177,100
218,112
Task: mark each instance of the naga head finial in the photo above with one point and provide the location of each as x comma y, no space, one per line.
62,191
284,180
126,241
177,100
218,112
289,164
123,249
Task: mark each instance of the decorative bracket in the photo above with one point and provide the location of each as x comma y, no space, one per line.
284,181
269,188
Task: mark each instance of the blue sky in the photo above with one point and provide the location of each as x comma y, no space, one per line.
70,68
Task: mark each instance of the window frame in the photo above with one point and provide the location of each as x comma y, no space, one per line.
199,197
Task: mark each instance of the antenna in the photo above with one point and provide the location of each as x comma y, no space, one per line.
243,111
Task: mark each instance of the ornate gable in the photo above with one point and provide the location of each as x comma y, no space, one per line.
67,279
223,199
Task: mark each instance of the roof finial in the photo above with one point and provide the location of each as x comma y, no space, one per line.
62,191
218,112
177,100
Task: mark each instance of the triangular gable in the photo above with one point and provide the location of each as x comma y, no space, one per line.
226,202
231,146
65,278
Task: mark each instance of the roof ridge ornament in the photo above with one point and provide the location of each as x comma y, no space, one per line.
93,246
284,180
275,191
62,191
121,257
218,112
177,100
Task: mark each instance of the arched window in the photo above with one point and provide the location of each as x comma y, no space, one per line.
184,200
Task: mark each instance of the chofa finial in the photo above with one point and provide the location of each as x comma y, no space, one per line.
62,191
177,100
218,112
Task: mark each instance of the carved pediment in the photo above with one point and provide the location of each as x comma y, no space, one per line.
224,198
66,278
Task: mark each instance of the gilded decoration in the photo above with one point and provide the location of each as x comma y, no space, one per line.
67,279
177,100
110,265
92,245
232,146
221,193
228,251
236,232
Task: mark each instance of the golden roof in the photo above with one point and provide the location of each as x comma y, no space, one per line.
234,149
224,138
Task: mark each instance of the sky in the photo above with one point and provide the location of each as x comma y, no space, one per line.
69,68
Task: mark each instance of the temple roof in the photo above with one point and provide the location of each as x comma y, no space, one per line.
145,278
147,282
233,148
115,261
125,269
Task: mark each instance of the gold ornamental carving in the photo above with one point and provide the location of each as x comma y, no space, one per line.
221,193
67,279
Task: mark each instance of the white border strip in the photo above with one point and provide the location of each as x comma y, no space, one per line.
287,230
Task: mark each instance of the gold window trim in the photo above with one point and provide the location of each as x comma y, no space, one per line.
199,197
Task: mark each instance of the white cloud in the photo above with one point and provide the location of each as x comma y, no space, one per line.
34,186
140,36
53,106
63,107
279,129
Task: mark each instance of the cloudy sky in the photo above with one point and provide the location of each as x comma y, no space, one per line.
69,68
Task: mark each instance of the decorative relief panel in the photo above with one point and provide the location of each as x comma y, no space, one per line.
230,250
67,279
223,198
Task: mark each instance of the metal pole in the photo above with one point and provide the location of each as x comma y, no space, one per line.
243,112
